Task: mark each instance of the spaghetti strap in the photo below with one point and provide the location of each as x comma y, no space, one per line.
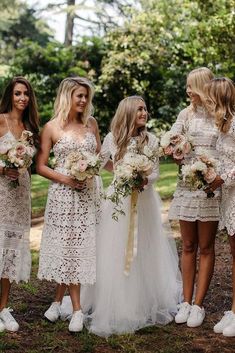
6,122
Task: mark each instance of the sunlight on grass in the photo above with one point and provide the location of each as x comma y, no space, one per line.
165,186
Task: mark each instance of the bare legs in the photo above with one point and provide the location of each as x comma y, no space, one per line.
74,291
5,291
194,235
232,245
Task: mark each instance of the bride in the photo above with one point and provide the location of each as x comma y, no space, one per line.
149,293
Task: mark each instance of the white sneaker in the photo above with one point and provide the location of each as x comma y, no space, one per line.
8,320
229,331
76,323
224,322
196,317
2,327
53,313
183,313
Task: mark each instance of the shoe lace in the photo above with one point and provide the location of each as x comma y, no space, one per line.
183,306
7,314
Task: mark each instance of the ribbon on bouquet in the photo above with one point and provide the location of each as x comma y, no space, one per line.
131,248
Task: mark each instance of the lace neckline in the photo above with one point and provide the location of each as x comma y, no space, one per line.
73,138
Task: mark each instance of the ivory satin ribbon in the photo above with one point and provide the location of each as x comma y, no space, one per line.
131,248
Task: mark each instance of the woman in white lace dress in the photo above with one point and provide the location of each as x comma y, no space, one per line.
221,95
198,214
18,112
149,293
67,254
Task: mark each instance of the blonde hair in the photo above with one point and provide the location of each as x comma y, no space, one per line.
197,79
63,99
221,92
123,125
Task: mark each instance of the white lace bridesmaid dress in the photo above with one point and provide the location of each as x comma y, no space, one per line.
15,220
68,248
226,151
190,205
149,294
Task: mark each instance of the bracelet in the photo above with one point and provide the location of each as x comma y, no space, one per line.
4,171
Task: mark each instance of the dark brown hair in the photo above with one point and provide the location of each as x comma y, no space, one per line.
30,114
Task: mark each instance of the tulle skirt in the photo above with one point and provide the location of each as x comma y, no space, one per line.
150,293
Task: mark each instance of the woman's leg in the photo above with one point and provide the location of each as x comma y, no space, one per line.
206,235
60,290
74,291
188,258
5,291
232,245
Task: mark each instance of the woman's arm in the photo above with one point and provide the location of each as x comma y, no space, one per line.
43,156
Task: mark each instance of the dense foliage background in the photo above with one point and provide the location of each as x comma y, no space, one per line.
149,52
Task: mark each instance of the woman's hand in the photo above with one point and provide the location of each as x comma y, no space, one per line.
11,173
73,183
217,182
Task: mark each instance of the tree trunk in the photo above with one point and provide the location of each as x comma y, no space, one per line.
68,38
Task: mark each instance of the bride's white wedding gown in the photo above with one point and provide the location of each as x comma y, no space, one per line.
150,293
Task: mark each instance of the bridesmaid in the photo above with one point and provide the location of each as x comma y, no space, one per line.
67,254
221,96
18,112
198,215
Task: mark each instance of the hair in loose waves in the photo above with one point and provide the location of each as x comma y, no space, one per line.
63,100
197,79
30,114
221,93
123,125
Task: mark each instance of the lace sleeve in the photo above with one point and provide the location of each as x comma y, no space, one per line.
105,152
229,173
153,144
179,127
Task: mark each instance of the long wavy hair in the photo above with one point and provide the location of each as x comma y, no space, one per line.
221,92
63,101
123,125
197,79
30,114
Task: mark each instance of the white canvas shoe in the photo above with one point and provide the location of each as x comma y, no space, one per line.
76,323
229,331
2,327
53,313
183,313
196,317
224,322
10,324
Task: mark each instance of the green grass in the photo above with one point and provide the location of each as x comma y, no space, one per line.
165,186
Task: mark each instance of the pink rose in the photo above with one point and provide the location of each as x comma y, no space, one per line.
178,154
168,151
186,148
20,150
210,175
176,139
82,165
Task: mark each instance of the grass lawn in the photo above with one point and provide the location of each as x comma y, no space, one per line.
165,186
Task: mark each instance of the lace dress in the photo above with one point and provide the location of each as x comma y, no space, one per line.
194,205
226,151
150,293
68,248
15,211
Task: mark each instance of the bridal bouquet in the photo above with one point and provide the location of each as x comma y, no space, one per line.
18,154
130,173
83,165
200,172
175,145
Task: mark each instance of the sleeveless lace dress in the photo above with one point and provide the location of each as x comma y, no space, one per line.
68,248
190,205
15,211
226,151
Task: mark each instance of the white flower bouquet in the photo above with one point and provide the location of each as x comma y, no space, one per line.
200,172
18,154
83,165
175,145
130,173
